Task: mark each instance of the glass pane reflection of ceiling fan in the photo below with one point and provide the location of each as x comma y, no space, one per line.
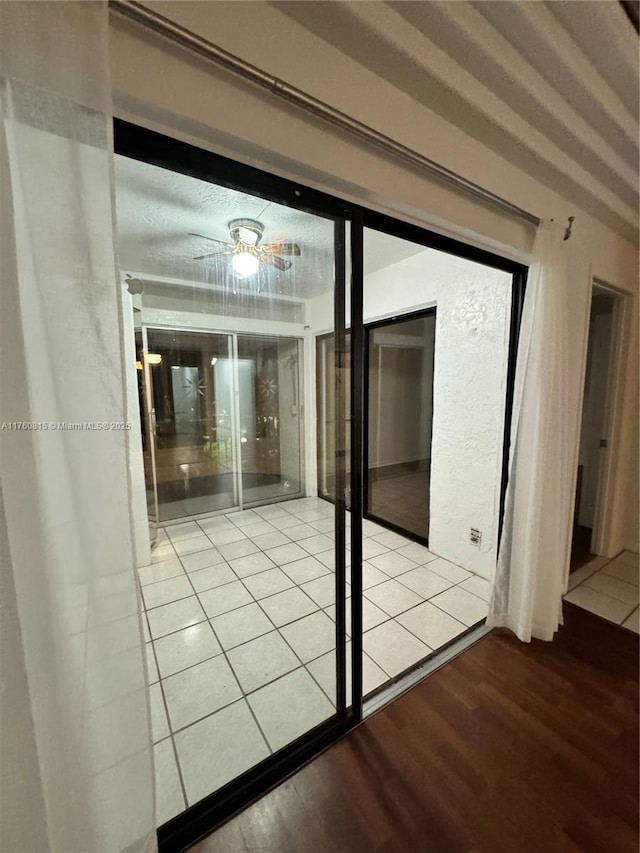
247,250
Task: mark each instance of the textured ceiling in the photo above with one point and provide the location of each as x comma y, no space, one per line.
550,86
158,209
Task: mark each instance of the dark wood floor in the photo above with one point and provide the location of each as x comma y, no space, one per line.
510,747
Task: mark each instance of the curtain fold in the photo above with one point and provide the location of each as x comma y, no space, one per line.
73,650
534,551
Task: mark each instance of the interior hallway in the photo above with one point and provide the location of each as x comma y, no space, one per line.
509,747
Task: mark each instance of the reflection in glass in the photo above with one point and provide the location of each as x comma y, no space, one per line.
192,422
325,414
197,433
269,388
146,432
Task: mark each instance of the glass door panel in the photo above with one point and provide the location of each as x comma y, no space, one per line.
400,415
268,371
193,422
225,420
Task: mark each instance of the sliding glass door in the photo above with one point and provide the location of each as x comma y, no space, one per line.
245,602
193,446
221,420
251,636
399,363
400,356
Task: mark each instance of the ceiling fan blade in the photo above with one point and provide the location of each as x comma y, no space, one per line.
212,255
281,248
275,261
213,239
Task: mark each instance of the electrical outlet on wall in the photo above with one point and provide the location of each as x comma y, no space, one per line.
475,536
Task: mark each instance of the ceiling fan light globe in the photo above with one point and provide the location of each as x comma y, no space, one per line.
248,236
245,264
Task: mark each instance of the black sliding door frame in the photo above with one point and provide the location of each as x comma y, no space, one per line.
368,329
357,447
340,238
169,153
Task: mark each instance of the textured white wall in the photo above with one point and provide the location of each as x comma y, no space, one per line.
472,337
472,331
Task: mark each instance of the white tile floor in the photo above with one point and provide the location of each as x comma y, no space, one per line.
609,588
239,616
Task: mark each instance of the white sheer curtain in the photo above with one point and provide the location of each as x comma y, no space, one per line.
531,571
76,760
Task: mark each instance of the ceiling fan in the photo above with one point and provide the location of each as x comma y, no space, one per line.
246,250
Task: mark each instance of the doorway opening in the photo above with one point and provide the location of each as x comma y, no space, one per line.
399,405
596,424
601,580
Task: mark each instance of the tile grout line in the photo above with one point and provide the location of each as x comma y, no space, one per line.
245,642
241,529
183,789
242,694
318,608
299,586
319,686
245,694
176,757
241,579
605,595
228,511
